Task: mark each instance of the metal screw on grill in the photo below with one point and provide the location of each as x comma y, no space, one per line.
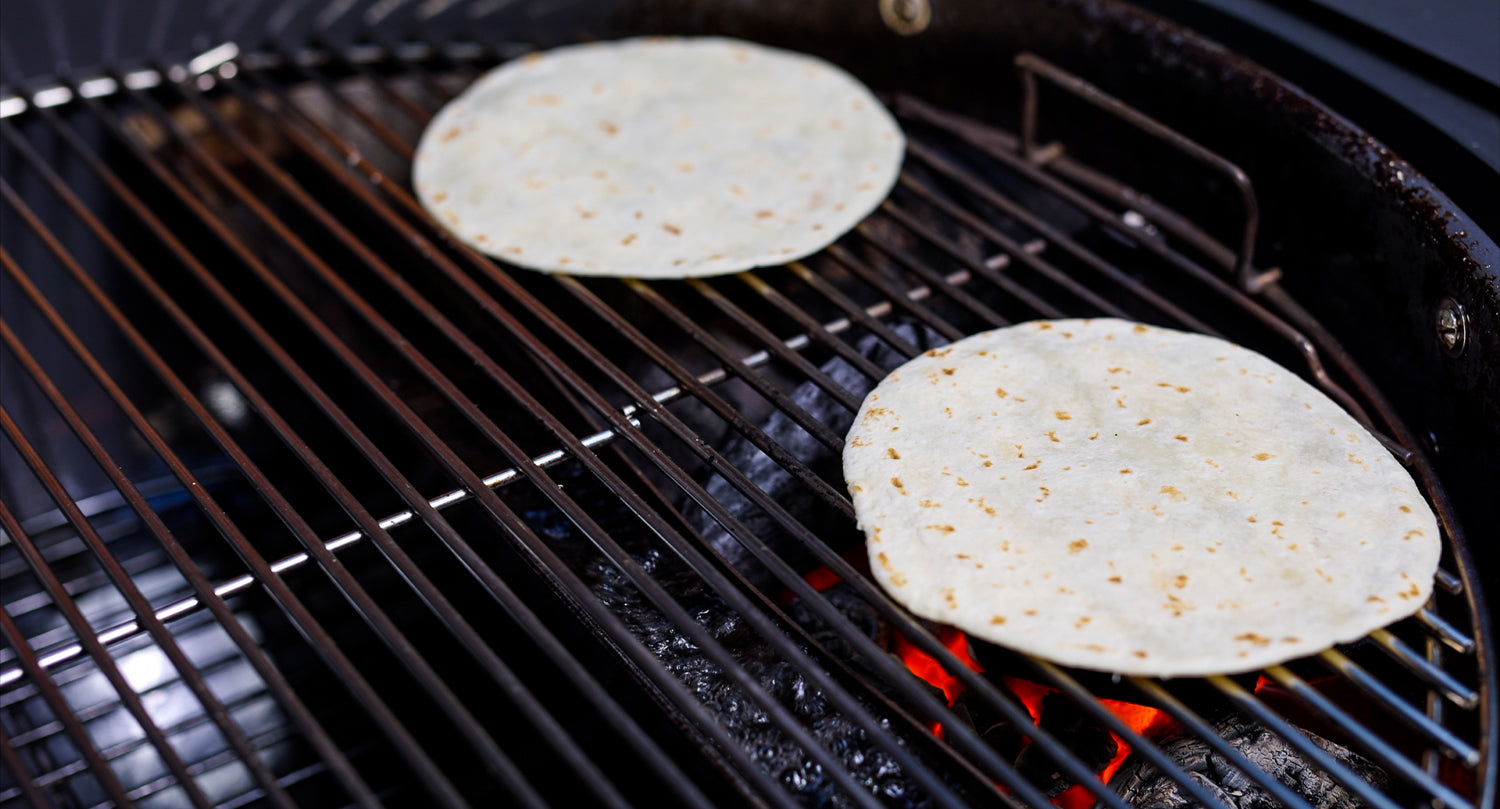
906,17
1452,326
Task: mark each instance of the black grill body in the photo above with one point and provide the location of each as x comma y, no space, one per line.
305,504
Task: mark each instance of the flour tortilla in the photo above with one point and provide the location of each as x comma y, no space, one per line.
658,158
1131,499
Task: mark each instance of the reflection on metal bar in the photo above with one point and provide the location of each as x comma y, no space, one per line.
215,58
181,607
1415,719
1444,631
855,316
1252,707
1162,698
1459,694
1378,748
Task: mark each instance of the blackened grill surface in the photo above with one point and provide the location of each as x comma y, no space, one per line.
310,390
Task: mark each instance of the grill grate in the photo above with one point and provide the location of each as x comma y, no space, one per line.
223,305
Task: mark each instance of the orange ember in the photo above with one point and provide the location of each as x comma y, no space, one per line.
925,666
1146,721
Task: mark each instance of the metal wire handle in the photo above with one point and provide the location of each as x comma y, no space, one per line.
1032,66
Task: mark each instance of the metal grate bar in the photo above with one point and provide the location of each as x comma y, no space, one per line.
852,310
296,611
824,334
58,703
1055,236
857,791
1441,630
1253,707
1138,743
1459,694
497,760
729,361
122,631
1392,702
843,258
1013,712
1201,729
536,306
566,506
935,280
1377,747
533,406
27,785
943,304
1011,247
190,674
993,275
1160,249
74,615
1032,66
781,349
689,622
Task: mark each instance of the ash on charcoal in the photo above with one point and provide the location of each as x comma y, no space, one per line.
745,720
1142,785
